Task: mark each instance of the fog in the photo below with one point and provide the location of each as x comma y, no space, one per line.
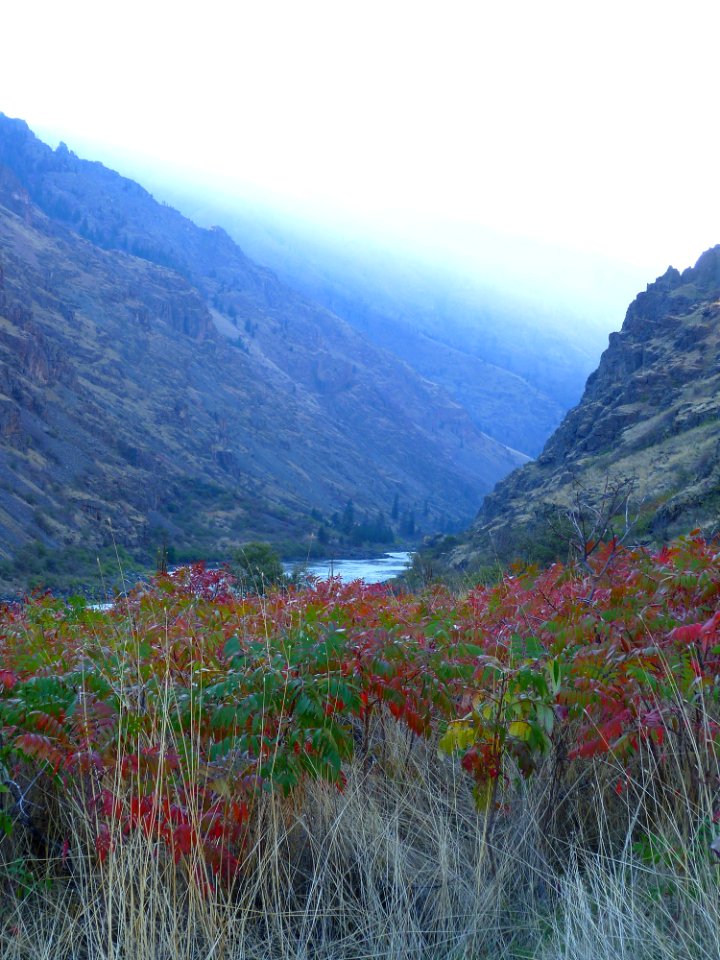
501,178
580,292
478,132
540,312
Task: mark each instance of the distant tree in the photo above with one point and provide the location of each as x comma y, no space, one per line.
256,566
372,531
161,560
407,524
395,512
381,530
348,518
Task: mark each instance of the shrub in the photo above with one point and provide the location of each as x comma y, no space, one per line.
257,567
197,723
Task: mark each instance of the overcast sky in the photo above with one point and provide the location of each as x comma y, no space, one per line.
586,124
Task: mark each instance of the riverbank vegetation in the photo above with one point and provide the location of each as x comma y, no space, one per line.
100,573
343,771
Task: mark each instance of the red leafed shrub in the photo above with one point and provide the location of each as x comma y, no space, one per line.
170,713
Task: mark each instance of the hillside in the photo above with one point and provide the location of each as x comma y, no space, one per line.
515,363
648,419
157,385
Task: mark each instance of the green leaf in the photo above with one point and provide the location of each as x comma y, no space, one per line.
308,709
458,736
454,671
224,717
527,648
469,650
232,647
545,716
222,748
438,628
555,676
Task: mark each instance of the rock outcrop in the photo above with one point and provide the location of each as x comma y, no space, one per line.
649,417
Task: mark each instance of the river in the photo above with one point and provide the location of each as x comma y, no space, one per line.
372,570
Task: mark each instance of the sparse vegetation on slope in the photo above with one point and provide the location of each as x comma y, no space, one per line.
649,414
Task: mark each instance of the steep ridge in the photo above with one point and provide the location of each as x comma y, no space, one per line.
504,362
155,383
649,419
502,404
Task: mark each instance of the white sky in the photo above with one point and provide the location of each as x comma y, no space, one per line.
588,124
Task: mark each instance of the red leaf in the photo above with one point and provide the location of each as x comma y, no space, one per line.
589,748
710,624
40,747
688,633
181,839
8,679
103,842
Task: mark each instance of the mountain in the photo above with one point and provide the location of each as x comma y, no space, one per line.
647,428
515,362
156,384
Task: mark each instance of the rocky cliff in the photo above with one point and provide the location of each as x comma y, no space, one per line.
156,384
648,419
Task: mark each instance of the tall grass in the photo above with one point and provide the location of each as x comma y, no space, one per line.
394,866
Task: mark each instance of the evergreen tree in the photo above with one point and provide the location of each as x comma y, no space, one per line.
407,524
348,517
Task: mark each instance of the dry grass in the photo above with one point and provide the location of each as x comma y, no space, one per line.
399,865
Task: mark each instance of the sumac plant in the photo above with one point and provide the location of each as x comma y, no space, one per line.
177,710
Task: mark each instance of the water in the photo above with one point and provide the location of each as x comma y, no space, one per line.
374,570
371,570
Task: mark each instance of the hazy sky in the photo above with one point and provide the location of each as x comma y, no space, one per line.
589,124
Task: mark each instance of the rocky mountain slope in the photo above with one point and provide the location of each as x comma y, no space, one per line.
505,362
156,384
649,419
